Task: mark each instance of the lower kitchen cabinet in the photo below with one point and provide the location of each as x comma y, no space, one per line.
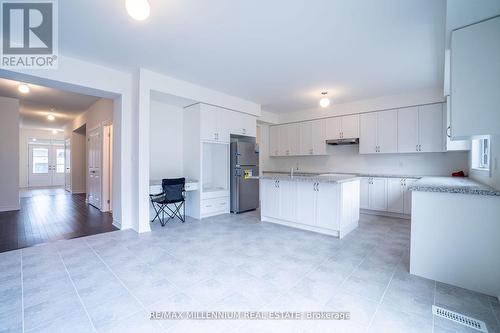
386,194
330,208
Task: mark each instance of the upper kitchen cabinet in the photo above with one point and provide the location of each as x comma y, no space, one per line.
475,80
215,123
346,127
421,129
242,124
274,142
453,145
378,132
312,137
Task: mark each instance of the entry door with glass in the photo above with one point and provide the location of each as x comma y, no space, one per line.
46,165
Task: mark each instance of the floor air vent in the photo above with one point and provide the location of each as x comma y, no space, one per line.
460,318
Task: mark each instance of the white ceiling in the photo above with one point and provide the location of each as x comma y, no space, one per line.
42,101
279,53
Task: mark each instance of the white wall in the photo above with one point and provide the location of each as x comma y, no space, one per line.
24,135
98,113
166,136
367,105
492,177
9,154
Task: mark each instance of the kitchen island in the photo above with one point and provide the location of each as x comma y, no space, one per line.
455,233
327,203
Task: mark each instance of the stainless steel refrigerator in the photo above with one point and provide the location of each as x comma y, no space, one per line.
244,177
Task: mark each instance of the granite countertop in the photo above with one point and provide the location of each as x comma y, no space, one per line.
310,177
311,174
452,185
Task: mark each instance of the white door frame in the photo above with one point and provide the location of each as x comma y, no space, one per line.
94,173
107,166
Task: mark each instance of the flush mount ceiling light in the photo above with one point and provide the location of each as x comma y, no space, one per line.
138,9
23,88
55,131
51,117
324,101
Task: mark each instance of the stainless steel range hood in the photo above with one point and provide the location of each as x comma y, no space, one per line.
338,142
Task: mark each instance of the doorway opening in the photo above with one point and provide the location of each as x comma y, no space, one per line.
65,160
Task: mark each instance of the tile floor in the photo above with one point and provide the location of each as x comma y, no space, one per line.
110,282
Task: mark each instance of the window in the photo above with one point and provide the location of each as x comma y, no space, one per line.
60,160
40,160
481,154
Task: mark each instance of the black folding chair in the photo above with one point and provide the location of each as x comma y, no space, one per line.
173,194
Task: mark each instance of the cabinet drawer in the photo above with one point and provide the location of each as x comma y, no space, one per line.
211,206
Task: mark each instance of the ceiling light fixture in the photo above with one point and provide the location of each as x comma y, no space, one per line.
55,131
138,9
34,139
23,88
324,101
51,117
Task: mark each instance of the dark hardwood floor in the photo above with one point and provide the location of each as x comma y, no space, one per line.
49,215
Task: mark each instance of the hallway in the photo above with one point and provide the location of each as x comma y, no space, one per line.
50,214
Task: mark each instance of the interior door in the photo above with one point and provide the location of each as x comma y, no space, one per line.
57,158
67,166
94,168
40,169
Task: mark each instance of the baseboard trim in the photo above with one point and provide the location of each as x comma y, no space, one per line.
300,226
9,208
386,214
117,224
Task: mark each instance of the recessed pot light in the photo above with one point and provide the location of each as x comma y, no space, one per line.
51,117
23,88
55,131
138,9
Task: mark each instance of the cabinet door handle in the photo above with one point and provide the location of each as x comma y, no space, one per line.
317,187
420,147
448,132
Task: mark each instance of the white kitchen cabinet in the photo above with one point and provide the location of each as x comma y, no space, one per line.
350,126
215,123
288,200
274,142
408,130
364,201
475,79
453,145
378,132
421,129
378,194
407,195
345,127
306,202
387,131
242,124
334,128
368,133
270,198
395,195
431,128
289,139
312,137
327,206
